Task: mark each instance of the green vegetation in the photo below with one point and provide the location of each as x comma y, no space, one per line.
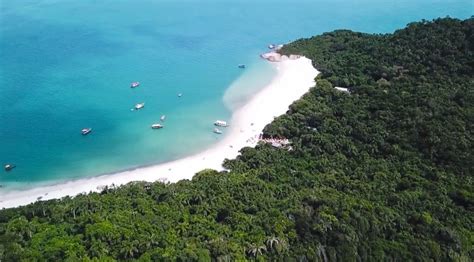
381,174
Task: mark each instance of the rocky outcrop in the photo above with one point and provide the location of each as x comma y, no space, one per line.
277,57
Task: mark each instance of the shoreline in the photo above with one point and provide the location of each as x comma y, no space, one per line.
294,78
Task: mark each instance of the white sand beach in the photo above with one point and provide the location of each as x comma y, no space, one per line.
294,78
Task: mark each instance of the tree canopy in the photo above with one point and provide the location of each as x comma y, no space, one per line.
380,173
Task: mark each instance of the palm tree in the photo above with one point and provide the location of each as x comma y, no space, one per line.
255,250
182,228
277,244
272,242
322,253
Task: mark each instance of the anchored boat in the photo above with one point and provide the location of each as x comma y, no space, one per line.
9,167
86,131
134,84
139,106
221,123
156,126
217,131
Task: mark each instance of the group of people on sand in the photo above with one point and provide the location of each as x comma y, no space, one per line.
276,142
253,139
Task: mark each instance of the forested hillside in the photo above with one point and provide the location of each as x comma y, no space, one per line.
383,173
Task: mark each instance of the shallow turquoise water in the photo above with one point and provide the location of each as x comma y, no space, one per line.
66,65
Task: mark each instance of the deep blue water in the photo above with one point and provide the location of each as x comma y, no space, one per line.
66,65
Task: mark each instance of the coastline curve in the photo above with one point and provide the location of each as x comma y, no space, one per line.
294,78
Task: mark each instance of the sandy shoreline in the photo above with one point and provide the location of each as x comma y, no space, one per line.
294,78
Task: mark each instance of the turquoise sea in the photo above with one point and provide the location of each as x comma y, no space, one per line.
68,64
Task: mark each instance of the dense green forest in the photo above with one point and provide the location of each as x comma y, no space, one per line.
383,173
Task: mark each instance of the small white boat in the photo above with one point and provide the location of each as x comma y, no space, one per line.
162,118
271,46
241,66
86,131
139,106
134,84
9,167
217,131
220,123
156,126
180,95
